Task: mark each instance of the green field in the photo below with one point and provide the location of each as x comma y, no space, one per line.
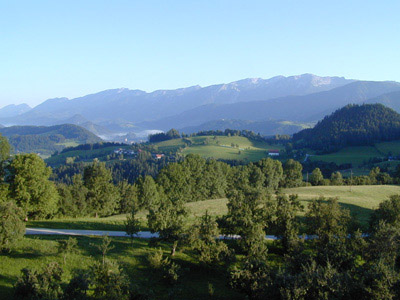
359,155
36,252
361,200
220,147
83,155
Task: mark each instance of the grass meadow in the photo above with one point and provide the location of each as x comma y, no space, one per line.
220,147
36,251
360,200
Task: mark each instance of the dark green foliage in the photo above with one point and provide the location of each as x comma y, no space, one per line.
45,285
327,219
292,176
109,281
30,186
286,225
336,178
167,216
169,135
273,172
316,177
4,148
102,196
12,226
388,212
104,247
250,211
203,240
164,266
46,139
194,179
132,225
352,125
77,287
128,197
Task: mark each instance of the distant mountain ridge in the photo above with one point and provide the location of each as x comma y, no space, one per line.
306,108
138,106
13,110
296,99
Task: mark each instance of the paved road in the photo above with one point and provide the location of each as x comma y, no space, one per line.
47,231
141,234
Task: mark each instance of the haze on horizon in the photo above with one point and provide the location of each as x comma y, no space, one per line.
73,48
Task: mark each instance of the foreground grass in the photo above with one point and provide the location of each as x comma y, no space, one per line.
35,252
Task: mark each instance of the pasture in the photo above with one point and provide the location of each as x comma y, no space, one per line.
360,200
220,147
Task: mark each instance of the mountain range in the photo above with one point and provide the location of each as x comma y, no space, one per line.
296,99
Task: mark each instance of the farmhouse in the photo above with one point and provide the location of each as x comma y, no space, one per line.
273,152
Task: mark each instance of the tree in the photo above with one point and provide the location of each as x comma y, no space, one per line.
67,247
109,281
327,219
167,217
40,285
388,212
4,148
373,174
132,224
4,153
250,211
102,195
104,247
203,239
316,177
336,178
128,196
292,174
273,172
286,226
148,192
12,226
30,185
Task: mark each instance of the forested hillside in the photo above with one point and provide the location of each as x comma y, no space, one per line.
46,140
352,125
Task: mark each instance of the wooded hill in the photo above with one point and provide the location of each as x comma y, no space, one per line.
46,140
352,125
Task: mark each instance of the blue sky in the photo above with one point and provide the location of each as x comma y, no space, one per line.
72,48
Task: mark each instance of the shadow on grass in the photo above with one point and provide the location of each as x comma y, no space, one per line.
6,287
359,213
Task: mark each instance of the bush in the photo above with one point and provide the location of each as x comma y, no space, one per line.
167,268
109,281
12,226
44,285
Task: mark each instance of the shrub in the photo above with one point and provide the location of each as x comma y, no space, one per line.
12,226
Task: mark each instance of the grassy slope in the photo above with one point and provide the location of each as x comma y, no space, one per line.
83,154
361,200
35,252
358,155
220,147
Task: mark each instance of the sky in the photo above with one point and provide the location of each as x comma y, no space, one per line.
70,48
